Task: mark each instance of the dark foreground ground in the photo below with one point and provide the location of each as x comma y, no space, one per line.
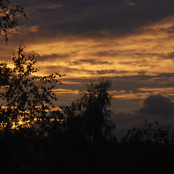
63,156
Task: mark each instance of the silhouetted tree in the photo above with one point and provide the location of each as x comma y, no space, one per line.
89,116
27,98
8,17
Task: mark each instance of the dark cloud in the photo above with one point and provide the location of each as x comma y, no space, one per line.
142,72
135,82
92,62
110,71
139,63
167,75
109,53
61,69
94,19
157,105
129,63
167,56
69,70
55,56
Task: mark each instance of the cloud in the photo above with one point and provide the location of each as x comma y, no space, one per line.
62,91
122,95
131,3
110,72
54,6
96,19
142,72
169,55
161,90
105,53
88,61
54,56
157,104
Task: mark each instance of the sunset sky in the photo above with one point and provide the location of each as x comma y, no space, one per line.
130,42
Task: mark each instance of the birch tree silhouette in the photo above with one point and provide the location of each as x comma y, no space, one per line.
89,116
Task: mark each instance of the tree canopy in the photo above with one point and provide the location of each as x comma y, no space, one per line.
89,116
8,17
27,98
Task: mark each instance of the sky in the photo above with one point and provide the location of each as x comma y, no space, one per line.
131,42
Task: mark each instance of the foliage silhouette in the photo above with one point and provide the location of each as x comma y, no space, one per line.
150,147
88,117
28,98
149,133
8,17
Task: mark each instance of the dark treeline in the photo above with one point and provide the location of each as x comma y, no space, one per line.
37,137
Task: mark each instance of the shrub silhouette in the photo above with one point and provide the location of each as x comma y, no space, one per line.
149,133
150,147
